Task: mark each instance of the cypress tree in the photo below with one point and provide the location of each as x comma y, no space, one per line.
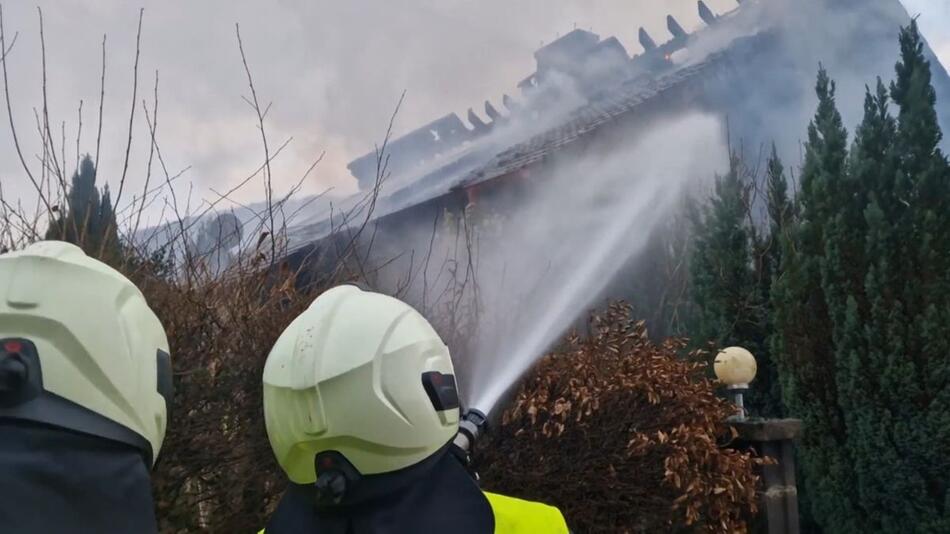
863,311
780,208
769,261
88,219
722,277
728,296
803,340
908,287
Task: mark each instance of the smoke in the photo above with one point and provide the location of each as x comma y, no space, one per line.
529,263
541,109
771,95
775,48
571,235
333,71
568,241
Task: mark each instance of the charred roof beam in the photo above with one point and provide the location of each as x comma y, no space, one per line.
492,112
478,124
510,104
646,41
706,14
675,29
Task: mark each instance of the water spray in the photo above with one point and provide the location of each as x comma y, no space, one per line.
585,231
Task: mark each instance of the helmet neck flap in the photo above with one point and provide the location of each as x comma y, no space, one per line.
435,495
58,480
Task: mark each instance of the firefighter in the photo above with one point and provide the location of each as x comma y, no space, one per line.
362,413
85,382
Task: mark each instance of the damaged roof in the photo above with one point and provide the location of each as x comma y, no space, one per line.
482,164
469,157
448,154
428,163
584,121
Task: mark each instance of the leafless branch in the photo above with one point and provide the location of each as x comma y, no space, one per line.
153,126
47,132
135,86
78,133
16,140
102,97
268,177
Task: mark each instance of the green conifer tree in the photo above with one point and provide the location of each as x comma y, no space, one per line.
88,219
904,437
769,261
728,295
863,311
780,208
803,340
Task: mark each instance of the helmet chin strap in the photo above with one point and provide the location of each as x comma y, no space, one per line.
331,488
339,483
337,478
13,374
335,475
21,378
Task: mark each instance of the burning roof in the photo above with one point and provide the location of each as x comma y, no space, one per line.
581,84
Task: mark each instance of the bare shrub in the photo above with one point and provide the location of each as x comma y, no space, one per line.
217,472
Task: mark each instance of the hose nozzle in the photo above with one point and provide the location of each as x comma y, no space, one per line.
474,423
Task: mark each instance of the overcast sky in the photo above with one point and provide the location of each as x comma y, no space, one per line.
333,70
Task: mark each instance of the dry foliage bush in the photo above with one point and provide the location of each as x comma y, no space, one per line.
621,434
618,432
216,471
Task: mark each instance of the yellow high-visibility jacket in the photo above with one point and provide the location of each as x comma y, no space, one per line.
516,516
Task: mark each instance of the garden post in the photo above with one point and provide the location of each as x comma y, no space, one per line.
774,438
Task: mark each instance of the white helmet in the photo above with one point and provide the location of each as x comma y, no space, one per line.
361,376
80,348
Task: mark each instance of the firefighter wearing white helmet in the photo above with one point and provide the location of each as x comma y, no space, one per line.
362,413
85,386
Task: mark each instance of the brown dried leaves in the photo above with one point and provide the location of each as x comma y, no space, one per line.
627,430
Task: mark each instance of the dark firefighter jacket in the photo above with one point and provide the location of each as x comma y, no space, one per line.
436,496
56,480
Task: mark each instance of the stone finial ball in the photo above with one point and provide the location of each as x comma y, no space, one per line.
735,367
